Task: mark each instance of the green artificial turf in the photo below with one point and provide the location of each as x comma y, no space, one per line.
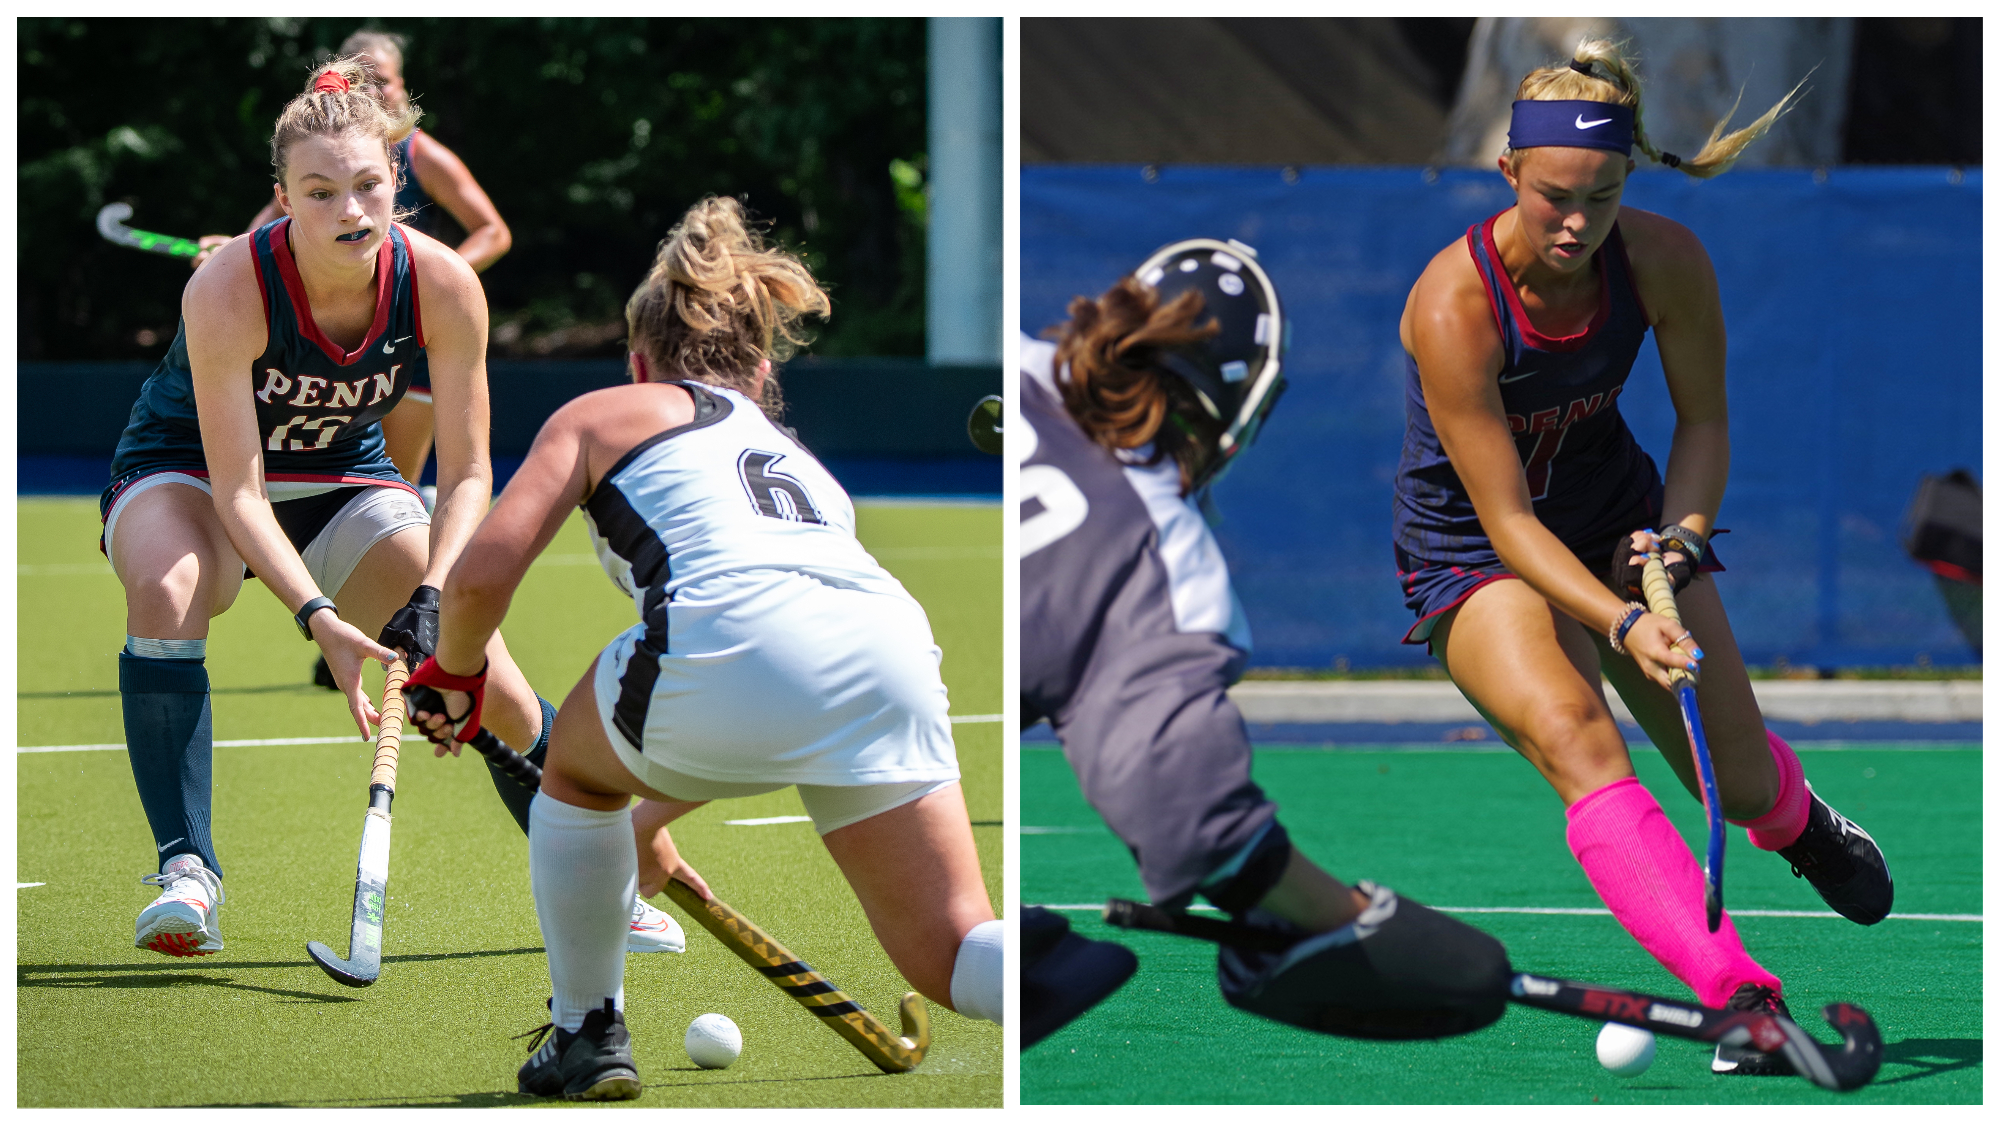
1457,828
102,1023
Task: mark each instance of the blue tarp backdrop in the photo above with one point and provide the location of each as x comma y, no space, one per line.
1853,304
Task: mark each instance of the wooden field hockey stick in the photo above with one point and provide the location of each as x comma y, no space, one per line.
1659,589
111,224
894,1054
1849,1066
371,876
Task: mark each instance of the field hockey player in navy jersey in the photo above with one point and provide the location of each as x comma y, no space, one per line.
1517,465
431,177
257,445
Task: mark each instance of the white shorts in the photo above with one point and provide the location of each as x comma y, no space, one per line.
331,556
773,678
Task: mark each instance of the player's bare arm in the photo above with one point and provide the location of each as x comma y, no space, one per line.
1676,282
445,178
454,323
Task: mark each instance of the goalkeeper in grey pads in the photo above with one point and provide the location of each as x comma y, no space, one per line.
1131,634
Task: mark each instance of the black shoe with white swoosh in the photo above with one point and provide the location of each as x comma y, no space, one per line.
1843,864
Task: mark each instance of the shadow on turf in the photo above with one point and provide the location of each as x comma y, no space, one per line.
488,1098
152,976
1929,1058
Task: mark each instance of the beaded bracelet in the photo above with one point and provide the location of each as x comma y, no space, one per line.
1623,625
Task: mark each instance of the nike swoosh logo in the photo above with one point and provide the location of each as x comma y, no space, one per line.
389,346
171,843
1582,124
1518,378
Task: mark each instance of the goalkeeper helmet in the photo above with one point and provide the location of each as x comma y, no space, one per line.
1236,374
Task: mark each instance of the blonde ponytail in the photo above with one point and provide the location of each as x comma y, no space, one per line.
717,303
1600,72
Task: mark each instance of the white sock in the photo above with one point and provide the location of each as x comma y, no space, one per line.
584,870
979,976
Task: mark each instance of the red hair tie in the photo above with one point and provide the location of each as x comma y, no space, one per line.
330,82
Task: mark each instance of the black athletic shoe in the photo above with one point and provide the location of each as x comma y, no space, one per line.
1064,974
590,1064
1748,1061
323,675
1843,864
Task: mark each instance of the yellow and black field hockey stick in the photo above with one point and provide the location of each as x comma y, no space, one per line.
893,1053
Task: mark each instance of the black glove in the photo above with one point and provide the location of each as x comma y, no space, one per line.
414,628
1628,564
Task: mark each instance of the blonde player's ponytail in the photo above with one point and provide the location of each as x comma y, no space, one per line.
1600,72
718,303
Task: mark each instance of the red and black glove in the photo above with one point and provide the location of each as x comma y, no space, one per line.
422,693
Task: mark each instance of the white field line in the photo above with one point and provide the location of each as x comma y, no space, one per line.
1598,911
321,741
771,820
218,743
892,554
24,886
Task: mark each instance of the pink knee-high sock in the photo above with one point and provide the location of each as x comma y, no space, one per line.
1781,826
1643,871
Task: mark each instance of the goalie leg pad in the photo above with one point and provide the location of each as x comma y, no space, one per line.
1399,971
1063,973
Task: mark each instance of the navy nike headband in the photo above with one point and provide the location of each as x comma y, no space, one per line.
1571,125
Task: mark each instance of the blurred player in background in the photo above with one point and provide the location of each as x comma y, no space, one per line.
1131,634
1517,464
771,651
429,173
258,442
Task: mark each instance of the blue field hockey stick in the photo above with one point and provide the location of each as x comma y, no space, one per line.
1660,599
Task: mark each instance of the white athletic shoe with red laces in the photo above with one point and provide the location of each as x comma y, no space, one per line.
182,921
654,930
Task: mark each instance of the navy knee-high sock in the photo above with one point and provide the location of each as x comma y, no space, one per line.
171,743
513,794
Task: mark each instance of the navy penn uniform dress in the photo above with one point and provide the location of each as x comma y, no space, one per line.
1130,637
1590,482
319,407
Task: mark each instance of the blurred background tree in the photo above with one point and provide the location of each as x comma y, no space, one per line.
591,136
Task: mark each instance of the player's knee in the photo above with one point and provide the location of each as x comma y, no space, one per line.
168,592
1400,971
1246,877
1575,740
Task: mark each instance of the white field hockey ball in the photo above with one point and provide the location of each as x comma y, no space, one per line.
713,1041
1624,1051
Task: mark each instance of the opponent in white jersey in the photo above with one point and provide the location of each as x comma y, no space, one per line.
771,650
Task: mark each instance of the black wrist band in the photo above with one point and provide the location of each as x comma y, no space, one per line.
1674,537
304,615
